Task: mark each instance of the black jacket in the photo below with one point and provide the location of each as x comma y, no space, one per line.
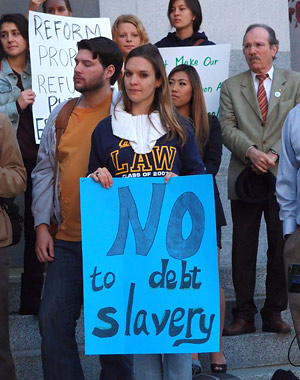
173,41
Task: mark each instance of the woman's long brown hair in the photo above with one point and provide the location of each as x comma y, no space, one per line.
162,101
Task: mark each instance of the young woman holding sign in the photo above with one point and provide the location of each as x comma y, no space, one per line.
145,124
186,17
16,99
187,96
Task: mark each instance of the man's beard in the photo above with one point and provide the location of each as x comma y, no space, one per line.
92,87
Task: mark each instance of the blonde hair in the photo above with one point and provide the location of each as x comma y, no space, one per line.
131,19
162,102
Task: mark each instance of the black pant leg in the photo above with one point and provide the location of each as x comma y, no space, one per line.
276,293
32,278
246,224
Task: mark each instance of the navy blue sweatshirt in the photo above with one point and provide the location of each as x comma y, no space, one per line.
119,158
173,41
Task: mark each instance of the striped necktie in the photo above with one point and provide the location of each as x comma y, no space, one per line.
262,96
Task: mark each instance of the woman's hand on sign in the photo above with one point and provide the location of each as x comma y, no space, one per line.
26,98
103,176
169,175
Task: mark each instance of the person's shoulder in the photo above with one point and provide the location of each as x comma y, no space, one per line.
168,41
5,126
288,74
237,79
208,43
103,127
54,113
5,67
202,36
213,120
186,125
294,112
4,119
56,110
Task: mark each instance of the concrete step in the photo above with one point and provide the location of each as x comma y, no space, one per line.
248,350
25,342
259,349
262,373
29,366
24,332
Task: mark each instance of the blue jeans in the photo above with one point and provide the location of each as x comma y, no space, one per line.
163,367
60,308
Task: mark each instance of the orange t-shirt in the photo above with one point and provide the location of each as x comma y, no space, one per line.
73,155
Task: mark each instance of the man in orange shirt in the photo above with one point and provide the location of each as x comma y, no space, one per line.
98,65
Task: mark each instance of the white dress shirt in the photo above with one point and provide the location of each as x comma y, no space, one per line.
267,82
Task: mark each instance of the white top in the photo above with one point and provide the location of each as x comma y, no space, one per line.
141,131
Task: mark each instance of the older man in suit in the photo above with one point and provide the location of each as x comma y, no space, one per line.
254,105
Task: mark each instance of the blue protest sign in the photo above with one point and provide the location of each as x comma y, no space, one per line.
150,266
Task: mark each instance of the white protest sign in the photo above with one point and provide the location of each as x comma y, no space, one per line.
211,63
53,47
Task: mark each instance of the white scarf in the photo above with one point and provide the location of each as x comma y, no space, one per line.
141,133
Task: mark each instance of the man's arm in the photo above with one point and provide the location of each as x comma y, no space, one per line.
233,138
236,140
286,184
43,192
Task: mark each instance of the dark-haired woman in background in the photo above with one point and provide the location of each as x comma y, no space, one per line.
187,95
186,17
16,99
54,7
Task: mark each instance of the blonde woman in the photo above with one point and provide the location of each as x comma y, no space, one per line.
128,32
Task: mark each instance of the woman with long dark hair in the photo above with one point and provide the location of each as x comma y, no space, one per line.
186,17
16,99
187,95
145,120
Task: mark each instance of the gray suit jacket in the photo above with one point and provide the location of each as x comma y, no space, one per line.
241,120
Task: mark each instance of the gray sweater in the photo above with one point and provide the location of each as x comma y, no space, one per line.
45,201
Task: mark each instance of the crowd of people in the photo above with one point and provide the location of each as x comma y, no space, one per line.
149,110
